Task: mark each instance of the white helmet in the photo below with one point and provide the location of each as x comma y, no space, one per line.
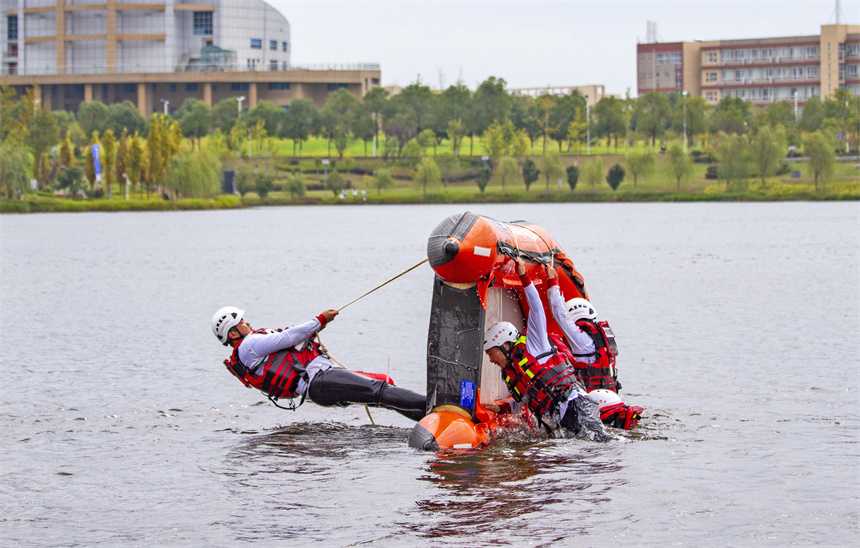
579,308
500,333
605,398
224,320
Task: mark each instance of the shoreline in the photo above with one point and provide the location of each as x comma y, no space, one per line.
66,205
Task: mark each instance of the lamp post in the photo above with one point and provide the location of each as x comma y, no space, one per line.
239,105
166,103
587,127
325,176
685,121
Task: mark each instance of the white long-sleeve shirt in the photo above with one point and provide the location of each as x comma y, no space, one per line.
581,343
537,343
256,346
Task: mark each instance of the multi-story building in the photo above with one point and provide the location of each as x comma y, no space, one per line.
759,70
157,53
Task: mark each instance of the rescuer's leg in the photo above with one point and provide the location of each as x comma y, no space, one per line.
339,387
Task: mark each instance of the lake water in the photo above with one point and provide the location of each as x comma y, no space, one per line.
738,328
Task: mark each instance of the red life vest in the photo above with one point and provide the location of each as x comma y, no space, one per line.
281,370
540,385
601,373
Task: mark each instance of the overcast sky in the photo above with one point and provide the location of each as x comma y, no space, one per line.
530,44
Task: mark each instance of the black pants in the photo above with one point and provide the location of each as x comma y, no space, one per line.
583,419
339,387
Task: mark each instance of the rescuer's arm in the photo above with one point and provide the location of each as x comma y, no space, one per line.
537,342
581,343
260,345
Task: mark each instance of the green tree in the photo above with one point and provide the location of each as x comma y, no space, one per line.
697,121
731,115
225,114
610,121
652,115
572,177
337,117
195,118
67,155
525,116
92,116
562,113
427,175
452,108
72,179
301,121
503,139
812,115
734,158
768,147
641,165
482,177
615,176
382,179
136,161
158,149
552,168
121,164
593,172
89,161
296,186
374,105
577,131
491,103
44,133
195,174
108,158
263,185
15,162
244,181
530,173
124,116
455,133
335,183
819,146
505,169
681,164
271,114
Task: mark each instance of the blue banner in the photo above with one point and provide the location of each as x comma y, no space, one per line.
96,163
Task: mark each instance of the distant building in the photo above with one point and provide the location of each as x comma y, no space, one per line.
157,52
593,93
758,70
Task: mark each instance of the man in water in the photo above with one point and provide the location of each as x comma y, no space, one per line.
289,363
593,346
540,375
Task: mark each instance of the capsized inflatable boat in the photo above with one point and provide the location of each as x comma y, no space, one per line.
475,286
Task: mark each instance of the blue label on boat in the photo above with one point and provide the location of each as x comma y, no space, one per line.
467,394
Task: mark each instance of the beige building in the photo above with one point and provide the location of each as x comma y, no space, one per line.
593,93
157,53
758,70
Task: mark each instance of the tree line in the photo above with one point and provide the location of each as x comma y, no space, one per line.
742,140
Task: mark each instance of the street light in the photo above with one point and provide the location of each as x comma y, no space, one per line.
325,179
239,103
587,127
685,121
166,102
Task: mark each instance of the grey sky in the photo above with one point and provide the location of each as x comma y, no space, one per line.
530,44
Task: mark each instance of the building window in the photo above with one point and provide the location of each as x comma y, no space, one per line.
283,46
129,88
753,54
851,71
202,23
172,88
77,90
239,86
335,87
256,43
153,88
273,45
273,65
12,27
711,57
192,86
279,86
811,73
374,81
104,91
812,52
214,87
285,66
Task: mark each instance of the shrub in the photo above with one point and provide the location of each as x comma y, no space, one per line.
711,173
263,185
615,176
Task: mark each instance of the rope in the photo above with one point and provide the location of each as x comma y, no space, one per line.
548,247
335,360
383,283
